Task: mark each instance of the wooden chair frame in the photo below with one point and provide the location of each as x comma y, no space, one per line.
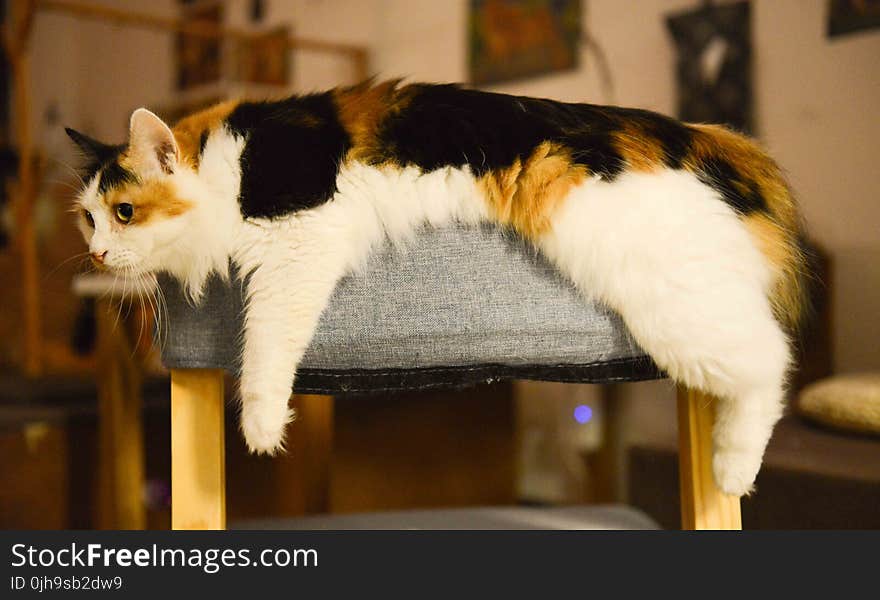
198,476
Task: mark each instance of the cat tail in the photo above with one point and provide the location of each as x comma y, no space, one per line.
795,290
760,191
781,236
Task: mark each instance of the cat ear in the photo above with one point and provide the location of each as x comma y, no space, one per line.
95,151
151,147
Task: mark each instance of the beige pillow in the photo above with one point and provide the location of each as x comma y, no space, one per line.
849,402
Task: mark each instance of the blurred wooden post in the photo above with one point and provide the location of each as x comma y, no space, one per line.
602,464
361,61
312,445
120,423
198,452
703,505
15,44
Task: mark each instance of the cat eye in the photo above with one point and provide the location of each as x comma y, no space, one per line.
89,219
124,212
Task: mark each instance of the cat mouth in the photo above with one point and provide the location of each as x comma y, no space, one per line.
99,265
102,267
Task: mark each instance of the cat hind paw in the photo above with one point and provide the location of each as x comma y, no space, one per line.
735,470
264,428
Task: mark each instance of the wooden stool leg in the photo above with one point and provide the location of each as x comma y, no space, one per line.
198,456
703,506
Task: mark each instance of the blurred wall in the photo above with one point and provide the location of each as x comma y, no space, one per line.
342,21
818,103
95,73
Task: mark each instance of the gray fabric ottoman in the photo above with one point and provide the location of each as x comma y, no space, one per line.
454,307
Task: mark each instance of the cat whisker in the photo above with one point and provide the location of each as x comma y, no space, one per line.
161,312
118,304
66,184
142,317
71,169
154,310
148,293
129,278
80,255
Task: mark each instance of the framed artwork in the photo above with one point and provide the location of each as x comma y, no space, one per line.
263,59
207,64
850,16
514,39
713,66
199,59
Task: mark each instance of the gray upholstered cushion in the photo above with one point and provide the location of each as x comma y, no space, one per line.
461,303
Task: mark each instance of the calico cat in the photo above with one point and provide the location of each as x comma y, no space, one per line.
689,231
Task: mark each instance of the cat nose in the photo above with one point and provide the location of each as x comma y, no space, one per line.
98,257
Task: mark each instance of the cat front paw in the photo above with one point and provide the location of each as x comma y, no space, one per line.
735,470
264,424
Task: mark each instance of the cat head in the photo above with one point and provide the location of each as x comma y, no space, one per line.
138,200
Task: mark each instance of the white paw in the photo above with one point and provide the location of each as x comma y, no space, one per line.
735,470
264,424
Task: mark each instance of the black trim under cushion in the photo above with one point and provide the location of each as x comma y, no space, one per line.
362,381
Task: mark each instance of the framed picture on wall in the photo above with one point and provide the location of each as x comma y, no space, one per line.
514,39
850,16
199,59
211,66
713,66
263,59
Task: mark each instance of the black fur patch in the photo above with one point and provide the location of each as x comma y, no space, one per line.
113,175
203,139
741,194
98,156
446,125
291,156
673,136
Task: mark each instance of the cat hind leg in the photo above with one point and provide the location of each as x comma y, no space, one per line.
692,286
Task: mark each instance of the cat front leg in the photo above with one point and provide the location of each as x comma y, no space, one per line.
289,286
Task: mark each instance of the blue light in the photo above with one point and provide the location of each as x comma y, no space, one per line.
583,414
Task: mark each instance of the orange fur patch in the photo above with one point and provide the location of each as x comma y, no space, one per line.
188,131
780,247
526,194
362,108
640,150
151,199
752,163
